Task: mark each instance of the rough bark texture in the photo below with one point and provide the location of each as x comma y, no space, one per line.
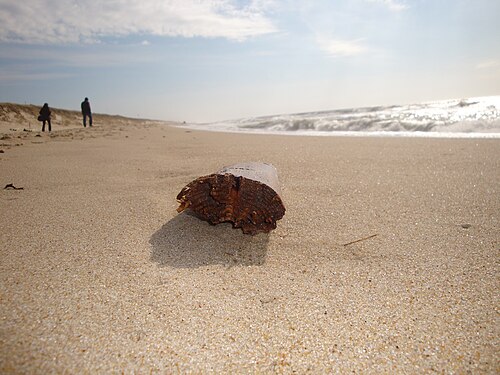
246,195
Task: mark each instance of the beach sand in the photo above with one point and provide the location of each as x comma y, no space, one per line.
100,274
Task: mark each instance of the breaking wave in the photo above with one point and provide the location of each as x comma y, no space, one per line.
473,117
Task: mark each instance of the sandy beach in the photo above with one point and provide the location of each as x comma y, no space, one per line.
99,274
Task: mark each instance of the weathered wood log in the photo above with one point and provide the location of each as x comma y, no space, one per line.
245,194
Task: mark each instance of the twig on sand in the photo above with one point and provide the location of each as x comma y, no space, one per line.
361,239
11,186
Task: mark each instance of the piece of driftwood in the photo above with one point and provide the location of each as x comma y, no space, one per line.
245,194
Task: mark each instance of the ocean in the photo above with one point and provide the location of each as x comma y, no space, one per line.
455,118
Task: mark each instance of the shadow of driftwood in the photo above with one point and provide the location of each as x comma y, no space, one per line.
187,242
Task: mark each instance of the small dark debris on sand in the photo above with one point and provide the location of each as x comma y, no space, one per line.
12,187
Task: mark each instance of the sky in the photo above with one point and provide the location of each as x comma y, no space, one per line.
210,60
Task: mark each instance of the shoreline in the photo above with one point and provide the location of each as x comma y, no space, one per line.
375,134
100,274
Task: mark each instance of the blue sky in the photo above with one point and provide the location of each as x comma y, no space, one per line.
196,60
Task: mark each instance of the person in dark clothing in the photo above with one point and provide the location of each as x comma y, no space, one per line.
86,112
45,116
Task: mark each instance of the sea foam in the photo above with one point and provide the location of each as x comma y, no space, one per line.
458,118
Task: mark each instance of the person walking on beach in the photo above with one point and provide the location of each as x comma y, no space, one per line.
86,112
45,116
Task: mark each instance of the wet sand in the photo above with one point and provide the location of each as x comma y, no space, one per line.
100,274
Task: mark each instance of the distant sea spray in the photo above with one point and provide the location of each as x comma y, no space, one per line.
472,117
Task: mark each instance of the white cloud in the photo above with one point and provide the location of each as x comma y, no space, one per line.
74,21
488,64
48,56
393,5
13,75
339,47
